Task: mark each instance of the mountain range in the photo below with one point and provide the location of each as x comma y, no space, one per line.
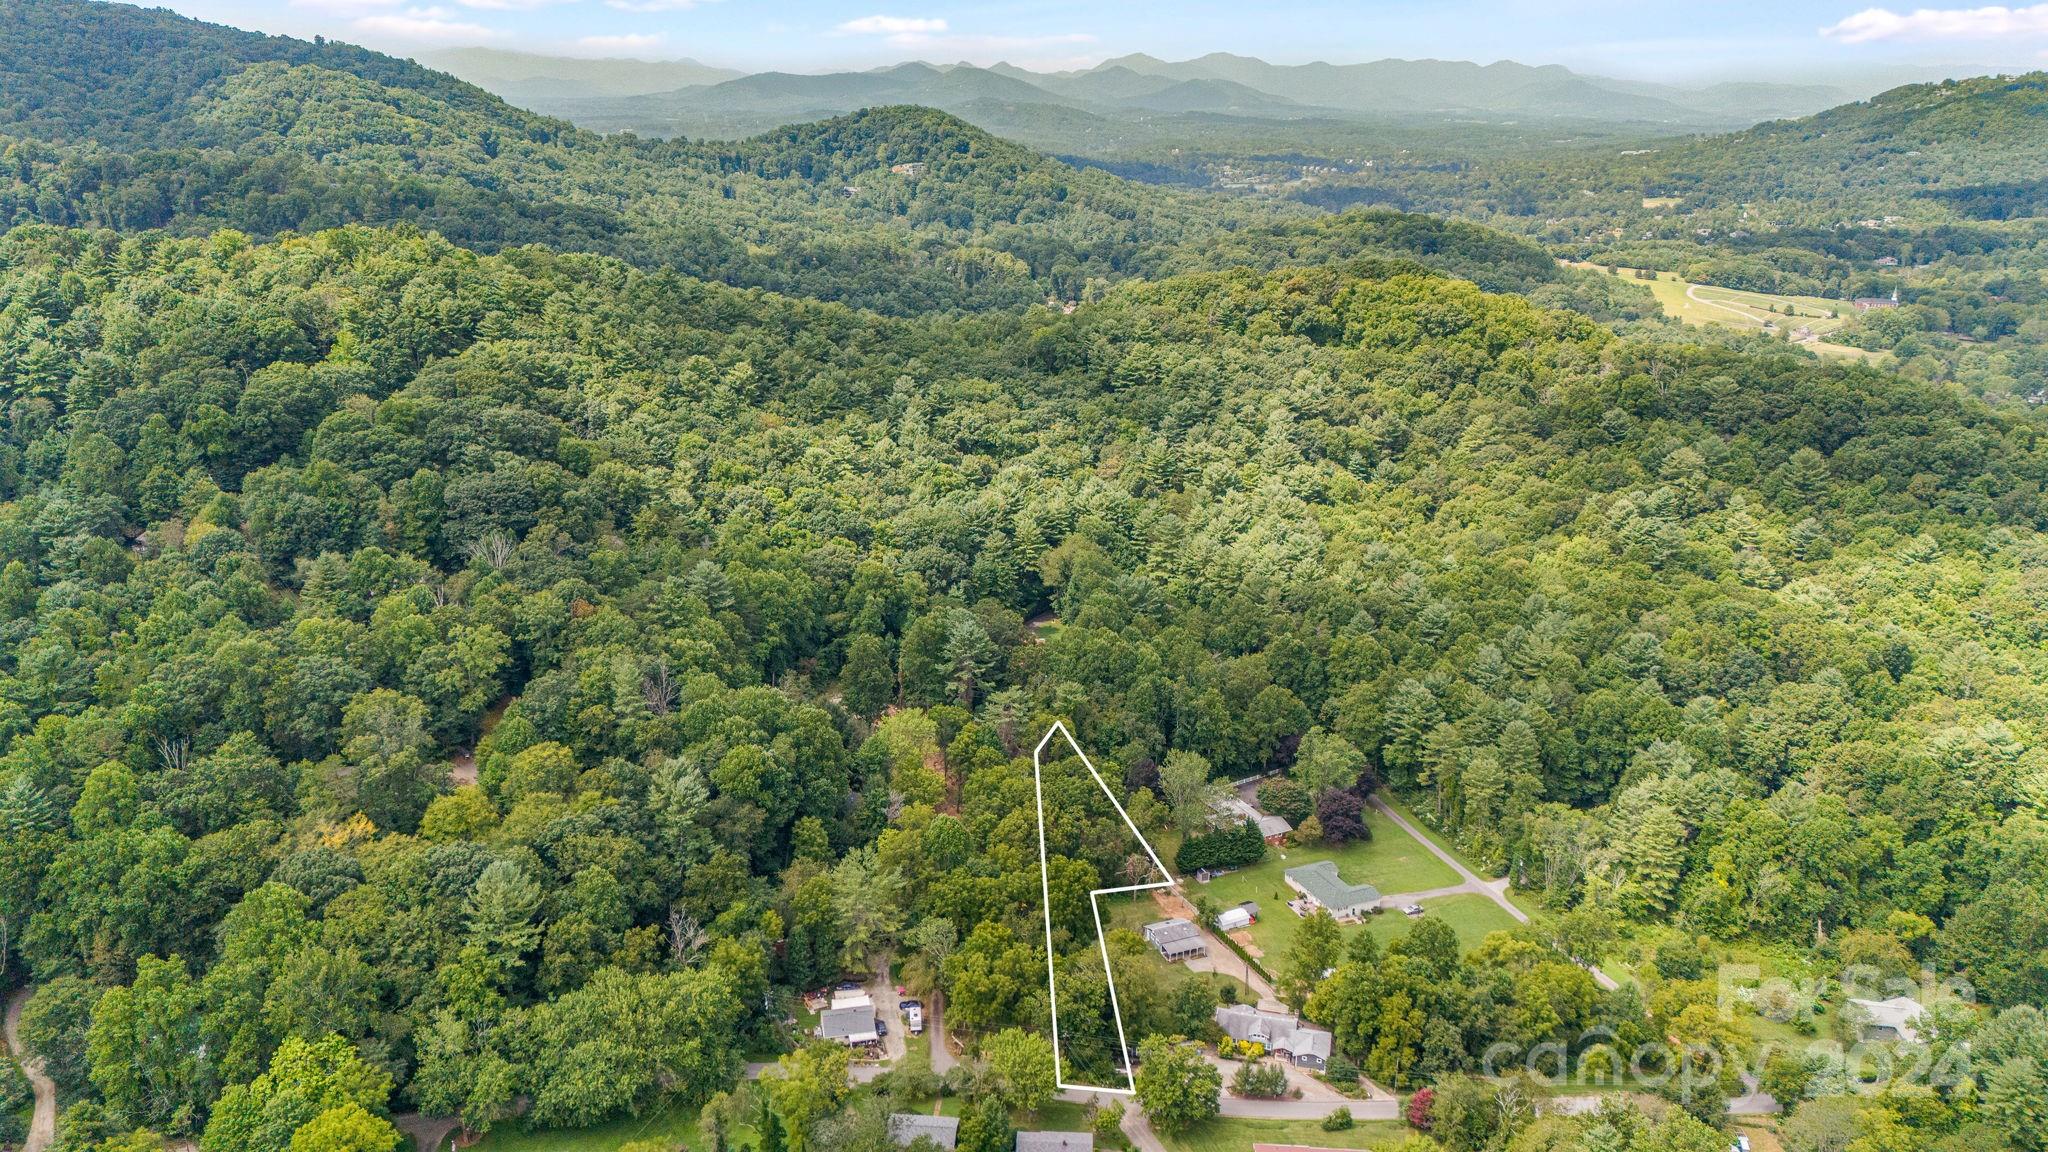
621,95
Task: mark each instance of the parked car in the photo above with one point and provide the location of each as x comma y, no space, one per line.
881,1026
1412,909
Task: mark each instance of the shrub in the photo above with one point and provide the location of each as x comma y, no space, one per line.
1237,847
1421,1106
1338,1121
1261,1080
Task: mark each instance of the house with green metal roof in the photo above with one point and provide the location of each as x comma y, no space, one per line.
1321,887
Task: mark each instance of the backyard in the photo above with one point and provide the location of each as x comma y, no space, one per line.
1391,861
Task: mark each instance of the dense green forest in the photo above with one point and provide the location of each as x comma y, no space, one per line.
1931,190
447,675
304,139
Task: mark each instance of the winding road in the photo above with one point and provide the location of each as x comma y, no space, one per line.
42,1127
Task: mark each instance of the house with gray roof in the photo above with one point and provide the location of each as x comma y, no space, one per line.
905,1128
1888,1021
1321,886
1287,1037
1055,1142
1176,939
1274,829
849,1026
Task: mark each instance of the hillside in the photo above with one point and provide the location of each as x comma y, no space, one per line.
1651,618
495,617
813,210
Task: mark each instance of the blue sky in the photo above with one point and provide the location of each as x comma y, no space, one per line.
1644,38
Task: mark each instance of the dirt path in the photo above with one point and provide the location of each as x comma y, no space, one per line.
429,1133
42,1127
943,1060
1692,293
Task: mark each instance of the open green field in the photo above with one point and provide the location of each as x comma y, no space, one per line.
1392,861
1704,304
1472,916
674,1127
1228,1134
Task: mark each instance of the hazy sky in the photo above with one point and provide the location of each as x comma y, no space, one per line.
1617,37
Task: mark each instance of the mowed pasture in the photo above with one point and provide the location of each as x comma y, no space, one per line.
1707,304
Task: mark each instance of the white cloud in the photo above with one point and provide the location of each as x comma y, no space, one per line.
892,26
655,5
627,42
425,24
1873,24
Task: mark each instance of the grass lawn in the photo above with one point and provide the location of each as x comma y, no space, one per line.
1392,861
1057,1116
1226,1134
1703,304
1469,914
675,1127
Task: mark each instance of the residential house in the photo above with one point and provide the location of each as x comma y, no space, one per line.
1321,887
1301,1044
905,1128
1230,811
1889,1021
849,1026
1274,829
1176,939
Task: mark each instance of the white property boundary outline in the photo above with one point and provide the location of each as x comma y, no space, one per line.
1059,728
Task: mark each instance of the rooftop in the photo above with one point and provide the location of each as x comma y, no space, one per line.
906,1127
1164,932
1901,1014
847,1023
1275,1031
1321,881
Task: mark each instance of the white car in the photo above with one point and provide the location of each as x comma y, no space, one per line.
1411,909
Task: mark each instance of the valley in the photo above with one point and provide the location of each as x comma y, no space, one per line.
532,583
